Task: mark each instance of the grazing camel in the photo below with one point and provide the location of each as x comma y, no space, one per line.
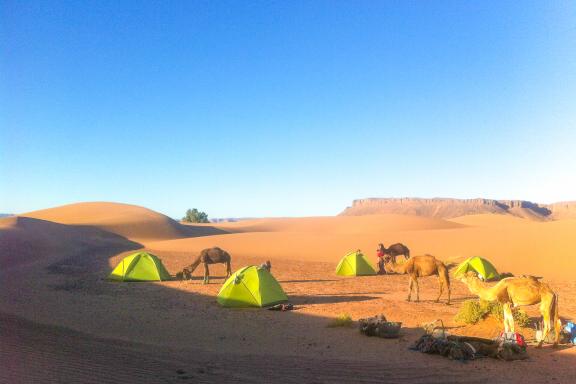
421,266
519,291
209,256
394,250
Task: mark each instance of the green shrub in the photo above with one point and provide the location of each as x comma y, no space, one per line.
473,311
343,320
520,317
195,216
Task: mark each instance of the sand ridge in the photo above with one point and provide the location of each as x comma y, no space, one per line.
131,221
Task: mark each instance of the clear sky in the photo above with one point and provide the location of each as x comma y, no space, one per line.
285,108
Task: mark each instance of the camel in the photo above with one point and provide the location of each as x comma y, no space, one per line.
421,266
394,250
519,291
267,266
209,256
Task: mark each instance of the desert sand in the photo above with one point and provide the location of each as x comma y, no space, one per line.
62,321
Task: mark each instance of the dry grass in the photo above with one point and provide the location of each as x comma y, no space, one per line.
343,320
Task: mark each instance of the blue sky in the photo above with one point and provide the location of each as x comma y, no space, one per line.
270,108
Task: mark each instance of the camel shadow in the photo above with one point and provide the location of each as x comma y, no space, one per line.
200,278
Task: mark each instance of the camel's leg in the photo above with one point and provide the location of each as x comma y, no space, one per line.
441,289
228,269
545,309
508,318
409,288
555,320
448,288
417,289
206,274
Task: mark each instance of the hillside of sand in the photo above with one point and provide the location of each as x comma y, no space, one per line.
130,221
25,240
60,320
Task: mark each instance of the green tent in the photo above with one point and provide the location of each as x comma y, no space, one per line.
354,264
251,287
140,266
482,267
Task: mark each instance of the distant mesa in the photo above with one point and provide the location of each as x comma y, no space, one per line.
446,208
5,215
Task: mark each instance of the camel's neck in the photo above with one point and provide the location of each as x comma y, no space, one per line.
482,290
195,264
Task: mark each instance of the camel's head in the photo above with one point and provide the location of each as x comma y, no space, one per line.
468,277
185,274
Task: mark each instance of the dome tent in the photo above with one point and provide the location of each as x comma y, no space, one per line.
354,264
251,287
482,267
140,266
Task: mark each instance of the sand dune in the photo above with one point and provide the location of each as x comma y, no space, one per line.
25,240
130,221
489,220
339,224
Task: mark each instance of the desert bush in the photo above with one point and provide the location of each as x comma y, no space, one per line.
195,216
520,317
343,320
473,311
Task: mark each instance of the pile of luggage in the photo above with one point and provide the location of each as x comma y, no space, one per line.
378,326
508,346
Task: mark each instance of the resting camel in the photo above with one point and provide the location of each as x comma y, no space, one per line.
209,256
421,266
519,291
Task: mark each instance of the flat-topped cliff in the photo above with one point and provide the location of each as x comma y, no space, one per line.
447,208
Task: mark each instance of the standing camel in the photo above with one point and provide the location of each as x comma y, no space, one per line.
209,256
421,266
394,250
519,291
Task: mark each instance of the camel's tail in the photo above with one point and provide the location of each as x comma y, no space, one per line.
447,277
444,275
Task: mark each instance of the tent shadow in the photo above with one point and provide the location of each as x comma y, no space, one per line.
307,281
328,299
